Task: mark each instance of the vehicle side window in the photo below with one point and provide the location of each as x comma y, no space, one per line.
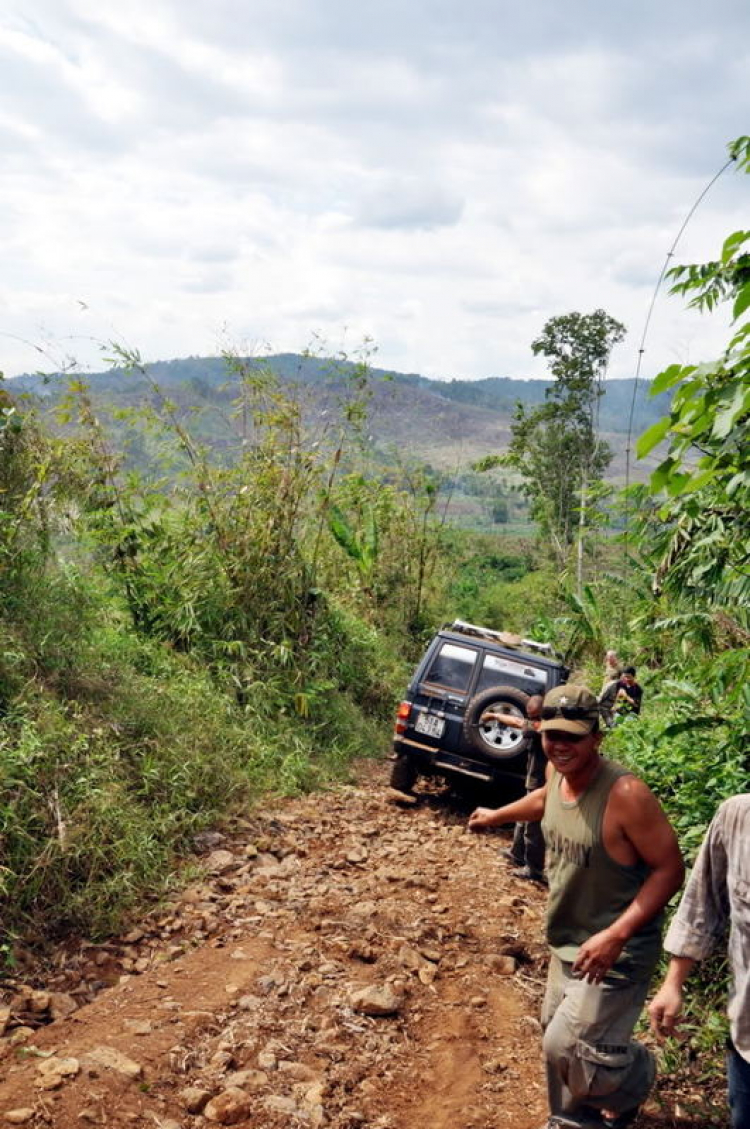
453,667
499,671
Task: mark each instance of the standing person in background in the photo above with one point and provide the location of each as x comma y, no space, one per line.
630,692
527,850
717,895
613,863
611,670
610,688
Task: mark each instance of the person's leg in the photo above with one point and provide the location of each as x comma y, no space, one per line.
592,1062
533,844
738,1077
529,835
517,849
559,1096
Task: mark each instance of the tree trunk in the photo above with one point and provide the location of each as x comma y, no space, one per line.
581,531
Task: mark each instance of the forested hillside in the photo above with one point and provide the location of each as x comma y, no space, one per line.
447,423
204,376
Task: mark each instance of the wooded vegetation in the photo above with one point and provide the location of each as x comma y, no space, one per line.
557,448
228,621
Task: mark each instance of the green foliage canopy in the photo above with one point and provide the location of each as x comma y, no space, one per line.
555,447
704,481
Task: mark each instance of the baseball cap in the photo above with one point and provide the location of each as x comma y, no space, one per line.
570,709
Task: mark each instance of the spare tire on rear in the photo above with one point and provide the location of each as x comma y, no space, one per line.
492,739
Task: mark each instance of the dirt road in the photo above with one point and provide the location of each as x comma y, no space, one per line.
343,964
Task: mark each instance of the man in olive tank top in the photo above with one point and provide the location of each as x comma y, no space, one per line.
613,863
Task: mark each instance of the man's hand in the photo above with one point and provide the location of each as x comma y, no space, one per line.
664,1010
527,810
481,818
597,955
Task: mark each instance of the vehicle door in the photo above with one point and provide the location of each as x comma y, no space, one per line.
441,694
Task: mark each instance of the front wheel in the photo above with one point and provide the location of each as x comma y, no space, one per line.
492,738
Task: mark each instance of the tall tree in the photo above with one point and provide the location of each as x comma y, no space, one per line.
555,447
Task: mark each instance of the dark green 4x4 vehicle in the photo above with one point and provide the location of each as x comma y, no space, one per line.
466,671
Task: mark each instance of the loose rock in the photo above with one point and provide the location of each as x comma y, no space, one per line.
194,1099
221,862
111,1059
248,1079
229,1106
377,1000
503,965
53,1071
62,1005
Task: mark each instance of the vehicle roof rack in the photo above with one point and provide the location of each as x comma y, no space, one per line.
507,638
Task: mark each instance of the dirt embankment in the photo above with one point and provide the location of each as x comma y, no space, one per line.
344,964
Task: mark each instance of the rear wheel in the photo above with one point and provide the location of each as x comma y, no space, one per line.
404,774
494,739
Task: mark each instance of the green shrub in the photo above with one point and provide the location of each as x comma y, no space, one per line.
517,605
691,772
109,768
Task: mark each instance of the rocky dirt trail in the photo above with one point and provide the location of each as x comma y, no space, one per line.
343,963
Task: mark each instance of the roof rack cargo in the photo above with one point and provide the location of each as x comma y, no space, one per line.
507,638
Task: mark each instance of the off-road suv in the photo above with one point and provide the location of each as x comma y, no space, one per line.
466,671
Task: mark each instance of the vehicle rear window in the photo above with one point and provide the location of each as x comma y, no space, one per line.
499,671
453,667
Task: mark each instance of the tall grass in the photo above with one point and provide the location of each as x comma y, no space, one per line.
107,774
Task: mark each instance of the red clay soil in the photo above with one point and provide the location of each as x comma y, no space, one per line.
244,1001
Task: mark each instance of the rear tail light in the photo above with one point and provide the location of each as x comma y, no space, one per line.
402,717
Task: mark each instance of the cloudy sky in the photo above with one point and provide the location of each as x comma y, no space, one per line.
439,175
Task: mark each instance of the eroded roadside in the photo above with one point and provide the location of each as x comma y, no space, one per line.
344,963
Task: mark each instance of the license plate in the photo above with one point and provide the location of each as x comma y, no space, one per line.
429,724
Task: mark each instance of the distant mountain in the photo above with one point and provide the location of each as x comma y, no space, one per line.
448,424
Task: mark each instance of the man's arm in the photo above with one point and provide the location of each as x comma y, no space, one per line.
700,919
504,719
666,1006
635,818
530,809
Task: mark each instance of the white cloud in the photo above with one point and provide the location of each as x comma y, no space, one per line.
443,176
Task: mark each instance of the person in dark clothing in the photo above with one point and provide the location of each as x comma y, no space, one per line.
630,692
527,849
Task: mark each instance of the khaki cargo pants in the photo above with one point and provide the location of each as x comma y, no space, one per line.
592,1061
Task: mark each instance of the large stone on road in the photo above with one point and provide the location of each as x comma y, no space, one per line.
228,1107
375,1000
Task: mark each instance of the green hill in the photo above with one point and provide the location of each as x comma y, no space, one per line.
444,426
455,404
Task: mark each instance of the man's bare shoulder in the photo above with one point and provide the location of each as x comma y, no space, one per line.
634,812
632,799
